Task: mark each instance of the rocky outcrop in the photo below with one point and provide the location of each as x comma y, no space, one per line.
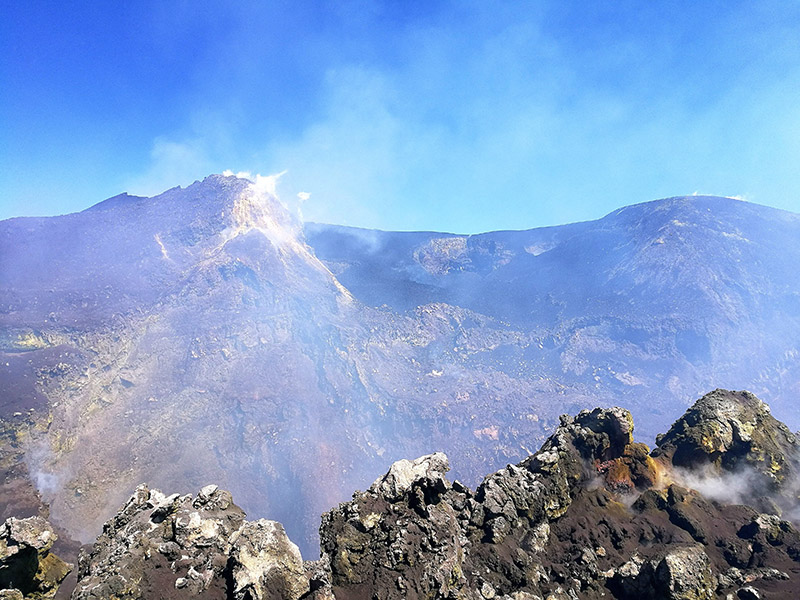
27,567
487,543
730,431
177,546
374,541
159,544
265,564
591,515
734,435
682,574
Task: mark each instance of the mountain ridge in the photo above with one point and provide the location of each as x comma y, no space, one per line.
307,363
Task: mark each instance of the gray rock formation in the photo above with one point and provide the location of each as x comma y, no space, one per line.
681,574
177,546
158,543
735,432
590,515
265,564
27,567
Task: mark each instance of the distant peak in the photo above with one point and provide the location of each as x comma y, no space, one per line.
694,204
267,182
119,200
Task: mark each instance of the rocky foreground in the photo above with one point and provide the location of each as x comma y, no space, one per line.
708,514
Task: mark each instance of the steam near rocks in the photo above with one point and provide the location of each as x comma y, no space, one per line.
27,565
730,447
556,526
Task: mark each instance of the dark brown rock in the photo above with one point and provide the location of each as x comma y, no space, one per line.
591,515
163,546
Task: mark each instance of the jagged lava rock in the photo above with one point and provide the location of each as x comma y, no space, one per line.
265,564
682,574
481,544
403,474
177,546
162,546
26,564
374,541
591,515
735,432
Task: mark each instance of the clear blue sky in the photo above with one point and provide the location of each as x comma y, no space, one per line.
459,116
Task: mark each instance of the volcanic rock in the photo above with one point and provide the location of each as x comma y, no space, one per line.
374,541
177,546
591,515
157,543
735,434
681,574
27,567
265,564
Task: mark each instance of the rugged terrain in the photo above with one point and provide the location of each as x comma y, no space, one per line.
648,306
301,360
592,514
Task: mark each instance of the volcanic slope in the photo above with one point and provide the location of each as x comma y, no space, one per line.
201,314
646,307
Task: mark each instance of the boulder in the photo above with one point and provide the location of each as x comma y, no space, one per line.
679,574
27,567
735,432
265,564
427,471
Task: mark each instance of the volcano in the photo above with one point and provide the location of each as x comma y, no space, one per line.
207,335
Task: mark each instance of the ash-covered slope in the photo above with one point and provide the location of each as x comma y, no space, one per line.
648,306
201,314
591,515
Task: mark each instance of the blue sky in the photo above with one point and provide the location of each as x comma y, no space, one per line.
458,116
